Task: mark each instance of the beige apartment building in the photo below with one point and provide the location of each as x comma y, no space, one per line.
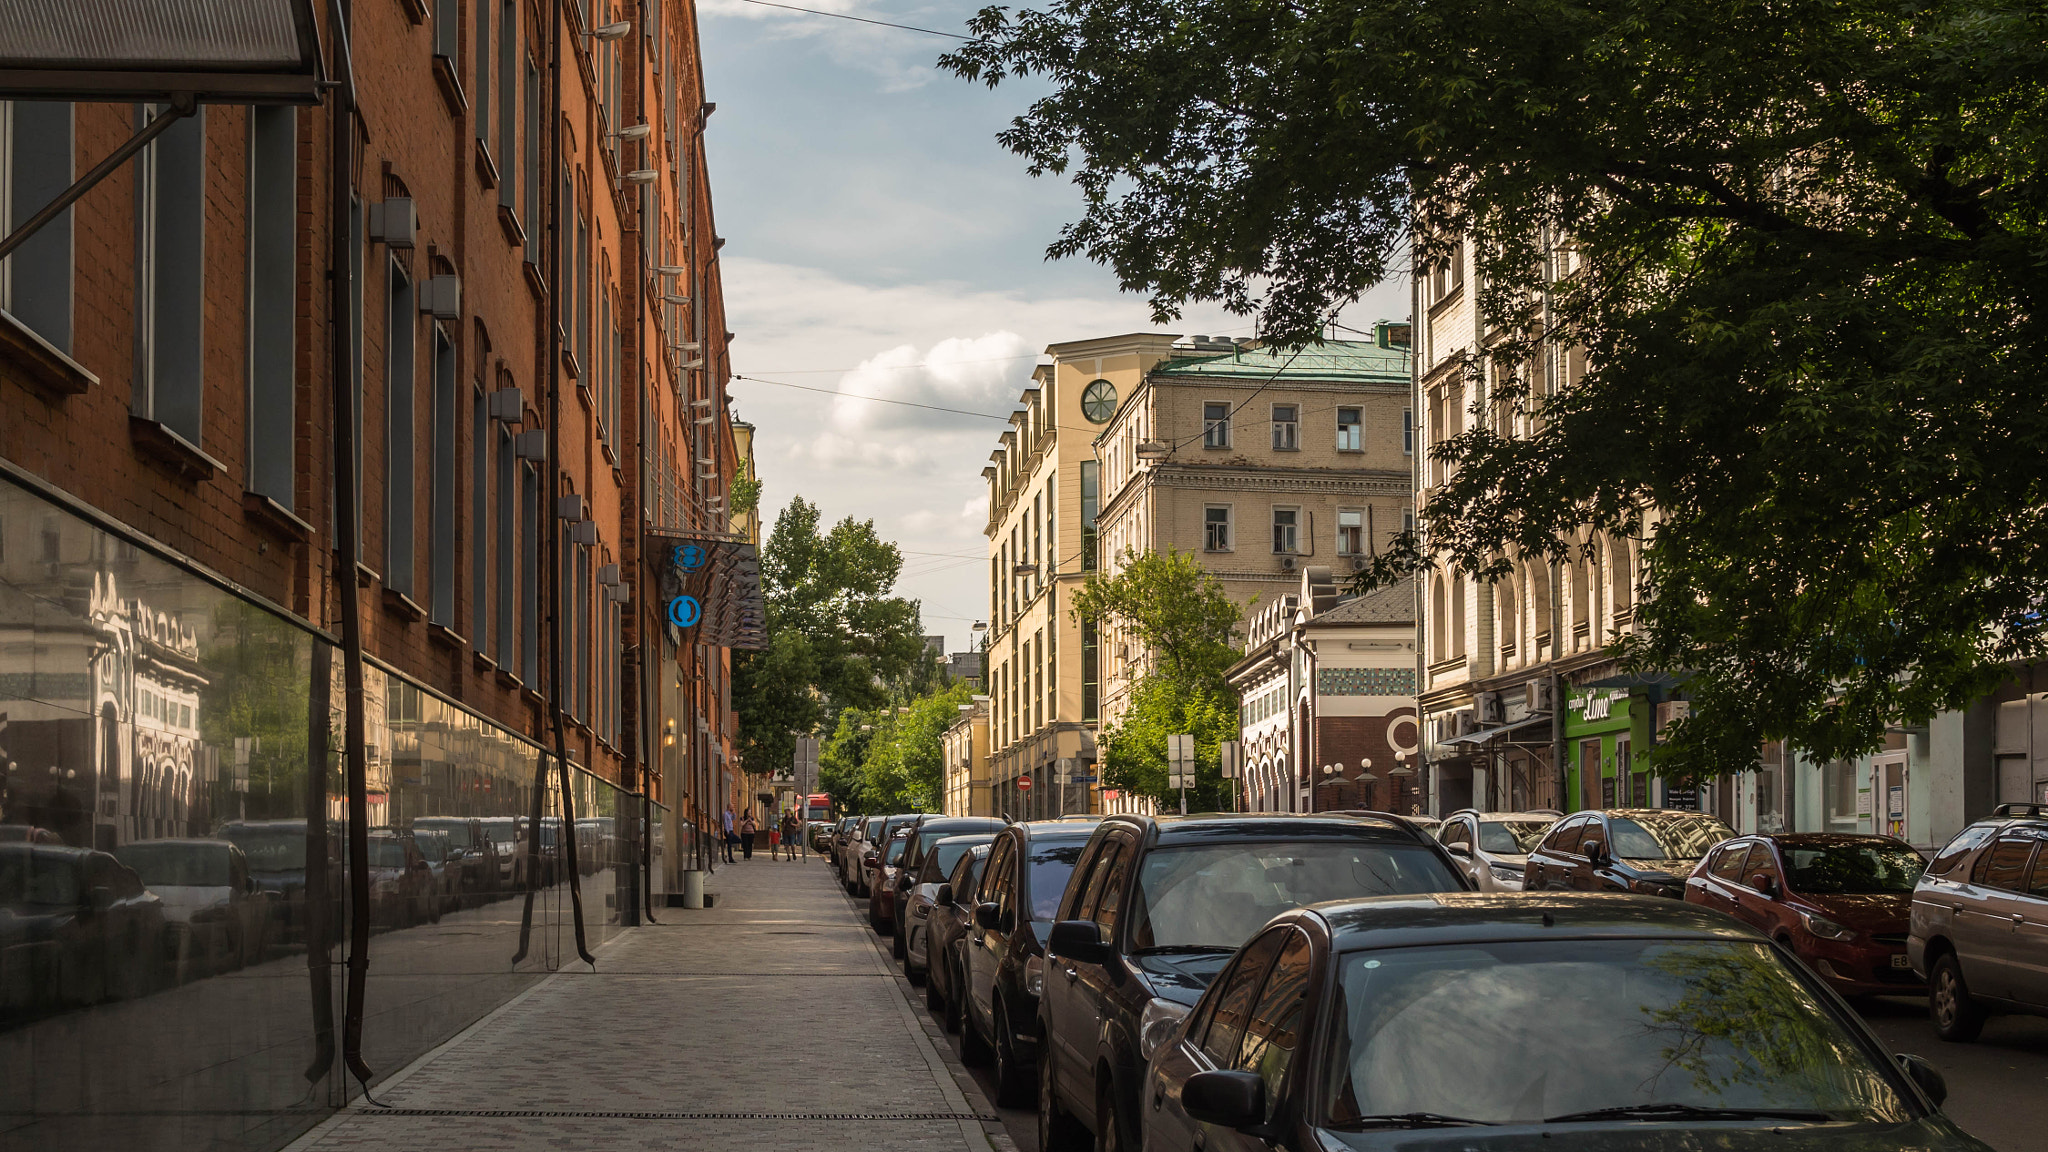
1260,461
965,748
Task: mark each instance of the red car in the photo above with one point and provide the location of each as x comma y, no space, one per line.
1841,902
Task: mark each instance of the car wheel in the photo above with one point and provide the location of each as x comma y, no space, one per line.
1057,1131
1013,1083
1957,1016
974,1051
1109,1128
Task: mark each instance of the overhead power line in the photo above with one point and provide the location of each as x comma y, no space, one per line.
876,399
863,20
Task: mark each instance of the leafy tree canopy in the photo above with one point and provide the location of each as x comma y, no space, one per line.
1163,704
836,637
1173,605
891,759
1799,244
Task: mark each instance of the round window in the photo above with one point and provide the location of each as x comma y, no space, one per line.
1098,401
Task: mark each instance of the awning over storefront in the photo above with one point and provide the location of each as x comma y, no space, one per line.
1485,734
710,589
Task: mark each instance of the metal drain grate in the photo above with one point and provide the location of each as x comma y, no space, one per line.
536,1114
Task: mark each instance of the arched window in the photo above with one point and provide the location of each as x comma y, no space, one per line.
1438,618
1507,624
1621,572
1582,588
1457,616
1539,600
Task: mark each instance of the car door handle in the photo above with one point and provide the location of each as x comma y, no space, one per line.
1073,975
2018,919
1955,908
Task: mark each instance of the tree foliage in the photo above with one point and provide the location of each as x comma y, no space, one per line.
1162,705
891,759
1799,244
836,637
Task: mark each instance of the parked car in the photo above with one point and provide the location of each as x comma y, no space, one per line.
924,832
881,896
853,864
217,918
818,836
1555,1020
1157,906
842,835
1645,850
504,834
1493,847
921,896
1842,903
401,882
275,852
470,847
78,928
1979,930
1003,969
952,917
443,866
882,872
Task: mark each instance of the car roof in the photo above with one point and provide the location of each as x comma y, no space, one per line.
1054,830
943,823
988,837
1531,816
1219,827
1474,917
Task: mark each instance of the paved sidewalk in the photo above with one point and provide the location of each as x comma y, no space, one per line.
767,1022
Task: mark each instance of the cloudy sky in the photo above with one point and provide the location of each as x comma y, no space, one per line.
880,243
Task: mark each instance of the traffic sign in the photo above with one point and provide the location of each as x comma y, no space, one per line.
1024,782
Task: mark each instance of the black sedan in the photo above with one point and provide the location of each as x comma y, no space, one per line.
1649,851
1488,1022
1158,906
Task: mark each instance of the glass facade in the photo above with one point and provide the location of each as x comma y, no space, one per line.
173,869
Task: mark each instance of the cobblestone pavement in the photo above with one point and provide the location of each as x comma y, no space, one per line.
768,1021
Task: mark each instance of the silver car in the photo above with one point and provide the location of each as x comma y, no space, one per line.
1493,847
1980,922
853,862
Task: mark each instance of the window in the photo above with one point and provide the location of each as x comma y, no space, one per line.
529,577
1216,528
1350,533
1350,430
532,182
1408,431
1728,861
2005,865
507,556
441,560
1215,425
1273,1031
480,570
481,57
273,284
171,276
447,31
36,160
1110,902
357,270
1239,994
398,433
1286,427
1286,531
1091,498
508,99
1090,682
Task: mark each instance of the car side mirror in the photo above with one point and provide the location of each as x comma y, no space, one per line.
1461,851
101,898
1765,885
1920,1072
1078,940
987,915
1226,1099
944,895
1596,855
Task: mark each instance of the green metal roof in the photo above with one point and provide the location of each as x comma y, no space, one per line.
1346,360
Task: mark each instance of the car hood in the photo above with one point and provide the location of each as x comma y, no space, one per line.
1933,1134
1865,911
1181,979
181,901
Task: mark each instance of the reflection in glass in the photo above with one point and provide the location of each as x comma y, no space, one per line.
1219,894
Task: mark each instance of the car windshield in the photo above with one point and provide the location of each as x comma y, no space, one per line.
1674,837
164,865
1052,865
1219,894
271,849
457,830
31,877
1542,1029
386,853
895,854
1868,867
1512,837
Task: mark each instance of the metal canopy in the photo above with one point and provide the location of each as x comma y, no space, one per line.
137,51
1485,734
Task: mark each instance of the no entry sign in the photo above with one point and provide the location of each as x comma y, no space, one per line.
1024,782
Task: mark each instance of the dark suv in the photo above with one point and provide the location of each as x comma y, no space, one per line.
1645,850
1157,907
1003,955
1980,922
928,830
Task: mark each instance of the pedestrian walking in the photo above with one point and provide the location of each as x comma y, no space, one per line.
732,835
747,830
792,832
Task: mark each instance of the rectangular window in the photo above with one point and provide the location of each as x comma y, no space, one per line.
171,276
36,160
1286,529
585,647
273,285
565,611
1350,533
1216,528
448,31
446,432
581,265
532,183
1090,682
509,182
508,540
358,247
480,571
1350,430
529,577
1286,427
1091,499
483,60
1408,431
1215,425
399,457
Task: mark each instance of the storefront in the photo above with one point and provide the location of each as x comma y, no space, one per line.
1606,750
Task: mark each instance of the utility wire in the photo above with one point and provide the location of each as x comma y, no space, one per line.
863,20
876,399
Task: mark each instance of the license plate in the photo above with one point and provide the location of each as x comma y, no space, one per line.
1900,961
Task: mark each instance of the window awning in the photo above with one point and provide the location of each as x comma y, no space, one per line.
710,589
1485,734
137,51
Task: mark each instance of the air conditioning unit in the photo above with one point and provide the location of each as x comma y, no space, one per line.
441,296
1488,707
1541,694
1289,563
394,222
1358,563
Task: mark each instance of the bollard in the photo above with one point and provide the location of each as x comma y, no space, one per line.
693,888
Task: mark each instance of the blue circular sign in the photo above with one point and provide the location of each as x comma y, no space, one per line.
690,557
683,611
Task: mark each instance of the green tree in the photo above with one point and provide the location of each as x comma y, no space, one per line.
1134,748
1798,244
836,636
